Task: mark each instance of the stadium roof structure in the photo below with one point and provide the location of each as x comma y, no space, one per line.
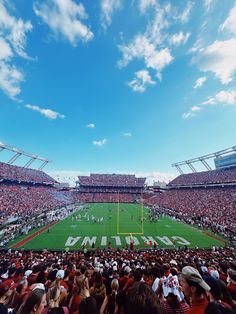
203,159
18,153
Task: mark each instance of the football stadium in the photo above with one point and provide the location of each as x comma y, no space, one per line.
117,157
118,211
109,223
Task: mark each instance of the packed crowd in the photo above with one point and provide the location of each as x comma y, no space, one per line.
20,174
118,281
213,208
113,189
22,200
111,180
227,175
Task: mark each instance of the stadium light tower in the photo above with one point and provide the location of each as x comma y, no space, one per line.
203,159
18,153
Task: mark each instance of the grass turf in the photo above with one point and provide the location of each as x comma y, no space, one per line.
119,221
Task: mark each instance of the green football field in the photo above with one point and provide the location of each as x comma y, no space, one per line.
102,224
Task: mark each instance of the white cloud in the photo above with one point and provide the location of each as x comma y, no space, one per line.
159,59
184,16
67,176
207,4
13,40
100,143
230,23
14,30
10,79
200,81
222,98
155,30
139,48
145,4
209,101
142,48
64,18
156,176
192,112
151,46
218,58
127,134
108,8
179,38
226,97
48,113
5,50
90,126
141,80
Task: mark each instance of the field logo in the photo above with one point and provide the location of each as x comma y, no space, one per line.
122,241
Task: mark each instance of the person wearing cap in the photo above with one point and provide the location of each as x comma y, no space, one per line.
124,277
130,279
195,289
173,263
136,276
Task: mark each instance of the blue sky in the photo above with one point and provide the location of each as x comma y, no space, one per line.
117,86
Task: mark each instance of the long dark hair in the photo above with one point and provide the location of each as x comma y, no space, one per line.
34,299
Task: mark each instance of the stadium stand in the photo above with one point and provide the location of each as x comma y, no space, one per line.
17,200
111,180
206,198
20,174
222,176
25,196
110,188
212,208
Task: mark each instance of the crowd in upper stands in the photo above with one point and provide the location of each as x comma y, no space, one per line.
116,180
227,175
19,200
15,173
118,281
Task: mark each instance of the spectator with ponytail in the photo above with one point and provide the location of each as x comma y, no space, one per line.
109,305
